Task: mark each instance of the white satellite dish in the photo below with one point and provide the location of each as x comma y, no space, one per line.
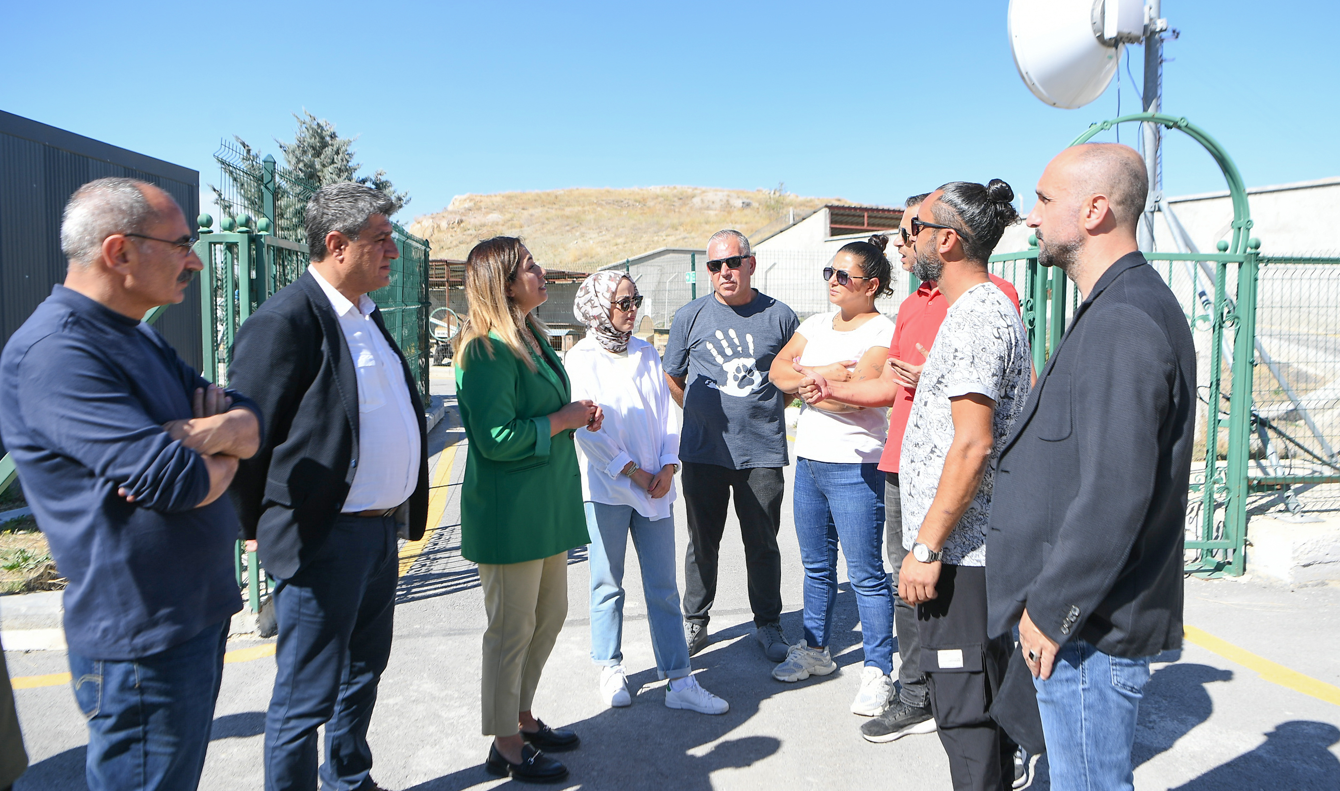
1067,50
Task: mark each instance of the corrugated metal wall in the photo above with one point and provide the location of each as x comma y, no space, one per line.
40,168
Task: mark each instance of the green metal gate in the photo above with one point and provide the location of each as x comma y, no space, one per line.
1285,426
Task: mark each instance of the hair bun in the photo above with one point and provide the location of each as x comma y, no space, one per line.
1000,191
881,241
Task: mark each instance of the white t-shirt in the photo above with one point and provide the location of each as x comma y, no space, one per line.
981,348
855,437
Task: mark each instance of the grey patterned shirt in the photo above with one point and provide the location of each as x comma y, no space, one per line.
981,348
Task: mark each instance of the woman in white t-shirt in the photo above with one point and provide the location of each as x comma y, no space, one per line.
839,490
628,485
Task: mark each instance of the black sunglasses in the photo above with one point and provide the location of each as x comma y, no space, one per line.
628,303
918,226
733,262
185,244
844,277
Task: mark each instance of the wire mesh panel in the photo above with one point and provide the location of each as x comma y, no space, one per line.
1297,384
404,305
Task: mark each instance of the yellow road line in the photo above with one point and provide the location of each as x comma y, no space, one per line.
33,682
56,679
437,503
1273,672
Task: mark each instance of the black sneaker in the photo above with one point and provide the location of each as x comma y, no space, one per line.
899,719
695,634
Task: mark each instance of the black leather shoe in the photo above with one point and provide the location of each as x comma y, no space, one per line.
535,766
550,740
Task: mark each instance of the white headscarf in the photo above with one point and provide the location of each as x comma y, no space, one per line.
592,307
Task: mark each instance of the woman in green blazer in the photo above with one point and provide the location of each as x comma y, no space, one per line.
521,502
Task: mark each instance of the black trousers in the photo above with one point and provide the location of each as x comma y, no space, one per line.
911,681
964,669
758,506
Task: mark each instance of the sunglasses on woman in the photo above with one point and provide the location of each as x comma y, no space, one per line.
628,303
843,276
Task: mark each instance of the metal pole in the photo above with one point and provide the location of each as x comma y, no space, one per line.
693,284
268,190
1152,133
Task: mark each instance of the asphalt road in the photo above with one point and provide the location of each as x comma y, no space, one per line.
1261,710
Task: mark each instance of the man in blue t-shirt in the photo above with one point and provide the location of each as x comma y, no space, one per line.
124,453
734,435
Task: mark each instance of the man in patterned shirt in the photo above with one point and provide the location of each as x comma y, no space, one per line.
974,383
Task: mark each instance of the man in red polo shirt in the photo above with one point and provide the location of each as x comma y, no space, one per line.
919,319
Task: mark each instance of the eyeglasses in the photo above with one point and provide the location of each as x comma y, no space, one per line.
733,262
628,303
843,276
918,225
184,244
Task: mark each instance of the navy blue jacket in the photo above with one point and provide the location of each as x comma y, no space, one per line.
84,393
1089,508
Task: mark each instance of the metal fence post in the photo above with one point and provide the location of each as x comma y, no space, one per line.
693,284
268,188
1239,410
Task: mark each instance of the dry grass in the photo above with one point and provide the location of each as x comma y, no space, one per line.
584,229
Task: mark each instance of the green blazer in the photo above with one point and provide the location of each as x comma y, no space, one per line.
522,495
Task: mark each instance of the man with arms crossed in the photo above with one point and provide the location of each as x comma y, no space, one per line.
124,453
1087,526
919,319
343,469
734,436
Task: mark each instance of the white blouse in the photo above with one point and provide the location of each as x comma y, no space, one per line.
639,423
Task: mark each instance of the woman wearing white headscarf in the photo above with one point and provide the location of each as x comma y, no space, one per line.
628,485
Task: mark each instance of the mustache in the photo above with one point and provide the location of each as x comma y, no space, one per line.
185,276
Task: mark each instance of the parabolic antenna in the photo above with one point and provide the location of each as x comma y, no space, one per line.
1068,50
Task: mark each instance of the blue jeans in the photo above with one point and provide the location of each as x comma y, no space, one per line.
1089,708
654,542
844,502
149,718
335,622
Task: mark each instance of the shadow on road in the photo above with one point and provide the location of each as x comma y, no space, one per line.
1175,703
1296,756
66,770
647,746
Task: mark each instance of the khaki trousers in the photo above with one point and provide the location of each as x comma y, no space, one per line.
526,604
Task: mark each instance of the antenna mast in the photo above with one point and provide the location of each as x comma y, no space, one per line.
1152,133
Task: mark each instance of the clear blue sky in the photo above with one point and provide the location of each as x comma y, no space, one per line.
868,101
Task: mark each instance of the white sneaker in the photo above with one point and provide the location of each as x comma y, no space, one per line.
875,693
802,662
690,695
614,687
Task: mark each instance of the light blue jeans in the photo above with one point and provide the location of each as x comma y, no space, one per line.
1089,708
654,542
844,502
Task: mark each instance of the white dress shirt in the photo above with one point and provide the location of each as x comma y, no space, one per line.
388,430
639,423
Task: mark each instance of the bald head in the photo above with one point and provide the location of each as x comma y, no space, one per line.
1109,169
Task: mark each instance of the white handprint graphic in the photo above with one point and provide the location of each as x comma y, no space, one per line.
742,378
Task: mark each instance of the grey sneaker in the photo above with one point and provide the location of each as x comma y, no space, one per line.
695,634
773,640
897,721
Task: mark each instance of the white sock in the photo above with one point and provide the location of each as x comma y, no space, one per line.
678,684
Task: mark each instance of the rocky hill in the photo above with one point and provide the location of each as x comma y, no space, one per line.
584,229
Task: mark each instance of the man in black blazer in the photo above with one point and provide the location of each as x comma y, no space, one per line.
1084,551
341,474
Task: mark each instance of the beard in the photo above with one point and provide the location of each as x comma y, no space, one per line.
928,266
1060,254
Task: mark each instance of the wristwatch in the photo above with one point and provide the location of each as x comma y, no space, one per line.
924,554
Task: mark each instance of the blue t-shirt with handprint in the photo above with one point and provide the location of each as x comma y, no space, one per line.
733,416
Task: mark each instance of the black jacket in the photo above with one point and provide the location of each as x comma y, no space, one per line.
1089,507
292,359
